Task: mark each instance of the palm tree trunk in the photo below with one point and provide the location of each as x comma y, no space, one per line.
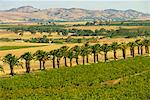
77,62
70,62
44,65
87,59
57,62
40,65
94,57
141,50
124,53
105,56
133,52
146,49
53,62
138,50
115,57
65,61
83,60
11,70
26,64
97,57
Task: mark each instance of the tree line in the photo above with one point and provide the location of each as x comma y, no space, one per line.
60,30
115,23
73,53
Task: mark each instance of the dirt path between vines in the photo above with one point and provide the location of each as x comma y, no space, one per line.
116,81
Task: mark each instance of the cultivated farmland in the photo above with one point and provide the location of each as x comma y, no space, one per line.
71,61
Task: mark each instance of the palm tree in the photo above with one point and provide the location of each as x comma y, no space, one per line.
138,45
105,48
141,44
132,46
146,43
123,47
114,47
98,51
45,58
77,51
12,60
53,54
64,52
59,55
70,55
27,57
41,56
88,51
95,50
83,53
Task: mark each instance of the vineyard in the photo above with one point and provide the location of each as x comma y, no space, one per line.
122,79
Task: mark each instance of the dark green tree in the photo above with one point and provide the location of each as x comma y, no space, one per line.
114,47
12,60
123,47
105,48
77,51
27,57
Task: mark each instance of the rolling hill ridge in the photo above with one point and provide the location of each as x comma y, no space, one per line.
25,13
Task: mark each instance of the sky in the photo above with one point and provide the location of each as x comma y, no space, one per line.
139,5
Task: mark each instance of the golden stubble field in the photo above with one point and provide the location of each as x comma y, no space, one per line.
105,27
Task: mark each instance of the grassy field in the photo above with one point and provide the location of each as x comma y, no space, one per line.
14,47
124,80
21,44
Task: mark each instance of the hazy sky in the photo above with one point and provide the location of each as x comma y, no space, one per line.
140,5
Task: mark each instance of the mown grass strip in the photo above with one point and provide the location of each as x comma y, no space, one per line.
2,48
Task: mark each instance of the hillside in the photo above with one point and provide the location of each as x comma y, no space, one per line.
28,12
124,80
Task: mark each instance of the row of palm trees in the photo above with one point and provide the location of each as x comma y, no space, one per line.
74,53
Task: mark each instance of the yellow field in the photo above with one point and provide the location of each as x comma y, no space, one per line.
35,64
105,27
69,23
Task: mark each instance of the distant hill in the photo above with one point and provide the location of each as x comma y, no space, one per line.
29,13
24,9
